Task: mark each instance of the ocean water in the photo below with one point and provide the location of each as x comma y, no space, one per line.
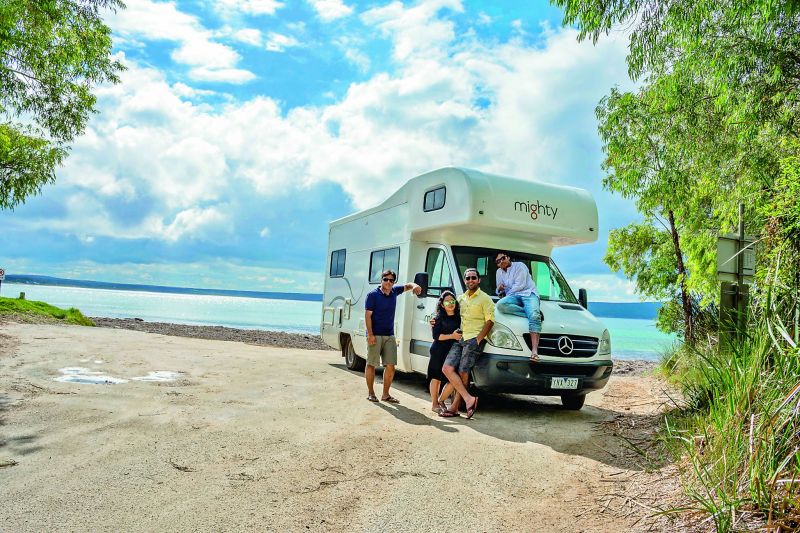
630,338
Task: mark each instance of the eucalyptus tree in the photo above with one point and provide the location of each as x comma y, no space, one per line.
53,53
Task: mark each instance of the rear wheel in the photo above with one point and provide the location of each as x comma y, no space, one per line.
573,402
351,359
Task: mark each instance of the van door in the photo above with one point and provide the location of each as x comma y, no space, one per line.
438,265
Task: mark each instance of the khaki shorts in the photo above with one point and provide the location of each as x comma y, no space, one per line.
384,349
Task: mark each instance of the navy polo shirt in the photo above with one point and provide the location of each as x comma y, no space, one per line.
382,307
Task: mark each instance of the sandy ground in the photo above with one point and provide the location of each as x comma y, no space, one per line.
257,438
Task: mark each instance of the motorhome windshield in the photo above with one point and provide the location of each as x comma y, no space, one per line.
549,282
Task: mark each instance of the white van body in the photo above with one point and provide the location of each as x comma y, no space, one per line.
448,220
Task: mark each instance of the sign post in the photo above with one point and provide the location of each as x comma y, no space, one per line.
736,265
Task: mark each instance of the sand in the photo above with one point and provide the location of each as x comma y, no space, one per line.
255,438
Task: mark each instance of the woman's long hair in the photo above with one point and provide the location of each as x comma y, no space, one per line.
440,312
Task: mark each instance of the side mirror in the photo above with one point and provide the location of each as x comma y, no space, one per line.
583,298
421,279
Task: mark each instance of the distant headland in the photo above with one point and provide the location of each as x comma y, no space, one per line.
640,310
85,284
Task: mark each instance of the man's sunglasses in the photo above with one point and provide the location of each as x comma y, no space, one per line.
500,259
467,278
389,279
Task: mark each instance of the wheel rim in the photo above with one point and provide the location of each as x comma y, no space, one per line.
350,354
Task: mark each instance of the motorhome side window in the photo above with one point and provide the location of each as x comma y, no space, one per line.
337,263
438,270
434,199
381,260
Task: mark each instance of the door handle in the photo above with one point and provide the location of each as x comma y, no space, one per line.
421,306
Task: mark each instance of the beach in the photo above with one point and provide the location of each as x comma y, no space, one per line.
253,437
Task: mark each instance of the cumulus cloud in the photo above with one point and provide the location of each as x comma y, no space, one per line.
161,163
162,21
331,9
249,7
277,42
249,36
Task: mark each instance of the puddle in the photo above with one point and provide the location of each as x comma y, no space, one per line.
79,374
160,375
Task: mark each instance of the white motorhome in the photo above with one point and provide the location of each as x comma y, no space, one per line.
439,224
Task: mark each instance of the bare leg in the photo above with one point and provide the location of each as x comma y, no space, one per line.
447,391
457,382
370,375
534,346
434,388
388,376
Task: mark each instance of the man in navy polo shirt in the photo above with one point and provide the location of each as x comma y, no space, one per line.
381,346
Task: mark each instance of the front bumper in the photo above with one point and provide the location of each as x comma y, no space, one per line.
516,375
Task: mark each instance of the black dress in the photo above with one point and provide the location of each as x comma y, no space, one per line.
444,326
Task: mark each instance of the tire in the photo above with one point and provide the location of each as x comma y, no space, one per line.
573,402
351,359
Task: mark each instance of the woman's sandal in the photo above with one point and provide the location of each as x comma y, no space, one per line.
442,406
471,410
448,414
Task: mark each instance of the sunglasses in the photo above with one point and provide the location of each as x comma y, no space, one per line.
449,302
389,279
467,278
500,259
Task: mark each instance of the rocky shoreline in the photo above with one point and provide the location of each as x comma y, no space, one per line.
282,339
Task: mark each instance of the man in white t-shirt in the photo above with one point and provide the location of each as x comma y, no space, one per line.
518,296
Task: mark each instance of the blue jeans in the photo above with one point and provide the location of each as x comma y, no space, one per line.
527,306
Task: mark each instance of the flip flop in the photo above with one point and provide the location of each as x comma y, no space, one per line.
390,399
372,398
448,414
471,410
442,406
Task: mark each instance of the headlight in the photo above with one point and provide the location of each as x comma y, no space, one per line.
604,348
502,337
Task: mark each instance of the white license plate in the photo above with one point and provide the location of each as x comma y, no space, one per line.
563,383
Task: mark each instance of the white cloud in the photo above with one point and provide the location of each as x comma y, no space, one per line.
185,91
162,21
191,222
606,288
249,36
508,108
249,7
331,9
265,233
277,42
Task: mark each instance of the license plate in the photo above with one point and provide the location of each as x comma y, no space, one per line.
563,383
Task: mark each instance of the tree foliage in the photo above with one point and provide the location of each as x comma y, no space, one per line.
712,125
53,53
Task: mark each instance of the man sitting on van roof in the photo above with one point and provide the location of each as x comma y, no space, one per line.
518,296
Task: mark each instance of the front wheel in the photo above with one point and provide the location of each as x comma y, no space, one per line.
351,359
573,402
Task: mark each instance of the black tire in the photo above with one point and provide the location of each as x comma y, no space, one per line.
573,402
351,359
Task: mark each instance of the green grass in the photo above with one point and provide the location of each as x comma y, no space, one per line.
14,306
739,431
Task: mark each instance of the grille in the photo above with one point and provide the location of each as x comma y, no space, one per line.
548,345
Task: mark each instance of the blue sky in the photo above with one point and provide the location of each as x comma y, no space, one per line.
242,127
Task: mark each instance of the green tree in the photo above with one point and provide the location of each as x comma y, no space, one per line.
52,54
664,148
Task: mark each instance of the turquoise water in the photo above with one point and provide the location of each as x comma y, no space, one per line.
630,338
